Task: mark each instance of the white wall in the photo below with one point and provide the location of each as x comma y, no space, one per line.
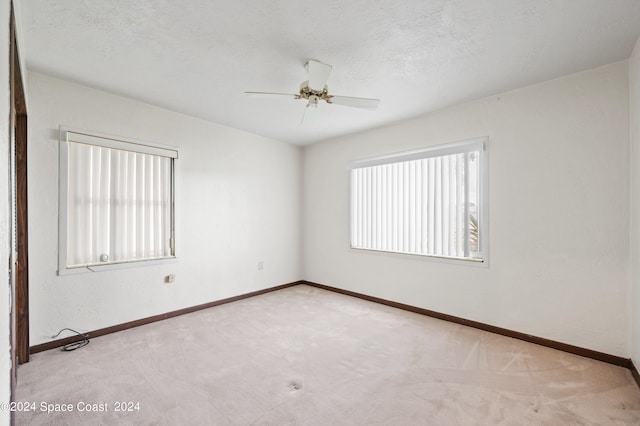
634,134
238,203
559,213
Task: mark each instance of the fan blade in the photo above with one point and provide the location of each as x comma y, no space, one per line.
364,103
267,95
310,111
318,74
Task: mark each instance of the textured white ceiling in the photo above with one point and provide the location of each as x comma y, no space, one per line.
199,56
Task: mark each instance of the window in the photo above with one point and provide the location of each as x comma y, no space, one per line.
116,202
430,202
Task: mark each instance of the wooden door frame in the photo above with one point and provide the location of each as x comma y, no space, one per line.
20,308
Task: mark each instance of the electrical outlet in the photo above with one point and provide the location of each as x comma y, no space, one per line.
170,278
260,265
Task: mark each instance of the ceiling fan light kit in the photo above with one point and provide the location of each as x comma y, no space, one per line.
315,90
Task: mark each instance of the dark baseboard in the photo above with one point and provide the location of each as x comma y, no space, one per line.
588,353
120,327
600,356
634,372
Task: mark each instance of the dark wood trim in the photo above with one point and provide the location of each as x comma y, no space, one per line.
20,102
22,275
131,324
634,372
588,353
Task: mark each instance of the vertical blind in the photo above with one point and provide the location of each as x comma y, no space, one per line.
426,206
119,205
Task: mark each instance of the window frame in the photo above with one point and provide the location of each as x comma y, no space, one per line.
115,142
467,145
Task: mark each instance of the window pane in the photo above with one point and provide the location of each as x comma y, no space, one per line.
426,206
118,205
474,202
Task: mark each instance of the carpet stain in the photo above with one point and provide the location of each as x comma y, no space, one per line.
294,386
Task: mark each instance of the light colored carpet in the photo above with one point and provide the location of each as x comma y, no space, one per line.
305,356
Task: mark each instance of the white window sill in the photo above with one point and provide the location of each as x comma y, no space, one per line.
470,261
115,266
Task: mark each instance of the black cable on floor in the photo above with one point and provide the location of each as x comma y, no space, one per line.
75,345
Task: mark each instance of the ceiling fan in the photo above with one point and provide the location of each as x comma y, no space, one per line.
315,90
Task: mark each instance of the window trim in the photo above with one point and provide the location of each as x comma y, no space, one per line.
467,145
76,135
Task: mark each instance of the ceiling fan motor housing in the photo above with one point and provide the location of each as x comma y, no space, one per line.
307,92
